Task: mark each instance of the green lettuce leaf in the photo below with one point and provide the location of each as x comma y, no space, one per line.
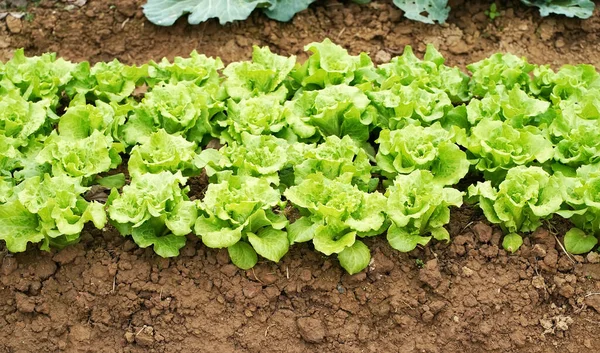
163,152
527,196
266,73
418,206
335,110
330,64
427,148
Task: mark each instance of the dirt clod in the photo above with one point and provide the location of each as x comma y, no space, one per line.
311,329
483,231
430,274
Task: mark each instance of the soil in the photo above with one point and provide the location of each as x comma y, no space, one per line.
107,295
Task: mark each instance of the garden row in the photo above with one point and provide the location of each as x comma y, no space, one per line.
328,151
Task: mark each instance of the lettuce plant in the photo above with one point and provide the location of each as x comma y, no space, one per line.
46,209
418,206
23,125
336,157
582,206
262,115
427,148
429,74
330,64
334,213
266,73
197,68
263,156
505,70
335,110
181,108
403,105
514,106
238,214
38,78
499,147
109,82
527,196
163,152
155,210
85,157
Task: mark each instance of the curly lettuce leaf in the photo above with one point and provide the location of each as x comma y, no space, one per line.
48,209
335,110
336,157
181,108
499,147
330,64
418,206
426,148
430,74
336,210
240,208
527,196
163,152
266,73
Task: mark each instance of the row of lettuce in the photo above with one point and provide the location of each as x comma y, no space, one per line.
329,151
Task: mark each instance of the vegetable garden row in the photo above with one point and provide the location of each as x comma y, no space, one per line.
358,150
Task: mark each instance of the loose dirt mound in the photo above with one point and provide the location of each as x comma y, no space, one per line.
107,295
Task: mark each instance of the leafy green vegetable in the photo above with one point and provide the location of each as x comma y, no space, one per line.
38,78
166,12
266,73
436,10
355,258
418,206
403,105
48,209
570,8
330,64
578,242
23,125
197,68
163,152
582,200
505,70
336,210
427,148
155,210
84,157
429,74
261,115
336,157
263,156
181,108
109,82
335,110
500,147
527,196
512,242
240,208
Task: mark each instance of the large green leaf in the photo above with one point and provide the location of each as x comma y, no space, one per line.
166,12
436,10
355,258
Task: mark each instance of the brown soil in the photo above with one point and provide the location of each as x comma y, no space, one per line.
106,295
